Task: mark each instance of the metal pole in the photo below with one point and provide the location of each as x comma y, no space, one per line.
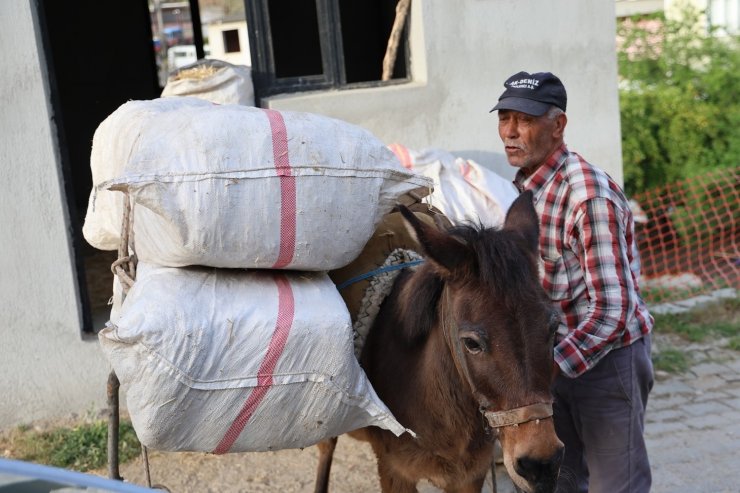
113,421
200,51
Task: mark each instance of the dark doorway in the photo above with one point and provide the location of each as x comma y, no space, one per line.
100,55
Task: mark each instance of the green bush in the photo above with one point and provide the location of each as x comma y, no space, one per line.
678,99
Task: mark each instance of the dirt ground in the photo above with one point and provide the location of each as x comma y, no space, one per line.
285,471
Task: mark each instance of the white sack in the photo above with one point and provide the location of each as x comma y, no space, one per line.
219,360
224,186
216,81
463,189
112,144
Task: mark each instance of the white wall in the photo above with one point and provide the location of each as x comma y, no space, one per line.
45,368
461,54
216,42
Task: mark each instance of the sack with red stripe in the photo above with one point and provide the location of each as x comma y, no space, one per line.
237,186
219,360
463,190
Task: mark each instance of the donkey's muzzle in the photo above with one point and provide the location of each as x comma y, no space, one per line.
541,474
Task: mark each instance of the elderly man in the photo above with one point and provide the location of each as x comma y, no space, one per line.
602,349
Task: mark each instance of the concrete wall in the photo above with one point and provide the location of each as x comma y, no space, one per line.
216,42
45,368
461,54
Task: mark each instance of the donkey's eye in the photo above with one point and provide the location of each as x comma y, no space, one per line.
472,345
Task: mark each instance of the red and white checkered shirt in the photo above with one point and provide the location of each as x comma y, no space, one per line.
586,248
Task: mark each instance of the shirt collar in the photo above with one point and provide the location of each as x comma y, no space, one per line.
543,174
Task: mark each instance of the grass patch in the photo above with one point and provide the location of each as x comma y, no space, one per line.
721,319
734,343
671,360
80,448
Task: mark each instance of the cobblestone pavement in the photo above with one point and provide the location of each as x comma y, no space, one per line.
692,425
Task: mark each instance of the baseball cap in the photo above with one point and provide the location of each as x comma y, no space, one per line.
532,93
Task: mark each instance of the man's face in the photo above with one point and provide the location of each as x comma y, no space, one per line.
529,140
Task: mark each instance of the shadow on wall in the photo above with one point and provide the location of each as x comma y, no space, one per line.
495,161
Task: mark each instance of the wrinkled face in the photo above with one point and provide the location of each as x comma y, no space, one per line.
508,350
529,140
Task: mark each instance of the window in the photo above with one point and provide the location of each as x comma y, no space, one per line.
231,41
319,44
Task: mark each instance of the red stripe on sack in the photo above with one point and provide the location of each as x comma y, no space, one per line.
402,153
465,170
286,312
287,188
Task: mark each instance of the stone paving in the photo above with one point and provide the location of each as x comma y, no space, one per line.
692,425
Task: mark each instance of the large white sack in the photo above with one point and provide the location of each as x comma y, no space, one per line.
220,360
112,144
216,81
463,189
235,186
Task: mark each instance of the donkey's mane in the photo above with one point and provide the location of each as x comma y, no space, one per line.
499,263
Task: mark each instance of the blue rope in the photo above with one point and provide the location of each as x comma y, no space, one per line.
381,270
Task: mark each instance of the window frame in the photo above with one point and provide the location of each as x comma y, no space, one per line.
332,54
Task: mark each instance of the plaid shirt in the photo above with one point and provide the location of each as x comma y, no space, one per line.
586,248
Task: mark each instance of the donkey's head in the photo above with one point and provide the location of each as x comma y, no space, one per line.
499,327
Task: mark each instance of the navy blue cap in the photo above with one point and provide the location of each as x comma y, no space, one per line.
532,94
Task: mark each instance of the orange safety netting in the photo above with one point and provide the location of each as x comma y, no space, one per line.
688,236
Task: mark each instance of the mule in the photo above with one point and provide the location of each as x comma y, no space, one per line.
461,353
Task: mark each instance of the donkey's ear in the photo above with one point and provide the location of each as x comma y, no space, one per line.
445,251
522,217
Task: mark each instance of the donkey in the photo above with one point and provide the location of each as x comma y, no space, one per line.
461,353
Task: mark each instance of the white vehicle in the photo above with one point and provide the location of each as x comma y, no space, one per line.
180,55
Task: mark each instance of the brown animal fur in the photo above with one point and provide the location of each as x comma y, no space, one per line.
505,323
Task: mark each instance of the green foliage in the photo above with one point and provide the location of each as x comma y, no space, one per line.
80,448
678,99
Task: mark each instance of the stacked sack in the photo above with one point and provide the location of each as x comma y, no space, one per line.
464,190
214,80
226,332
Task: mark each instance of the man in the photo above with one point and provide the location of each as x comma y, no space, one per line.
602,348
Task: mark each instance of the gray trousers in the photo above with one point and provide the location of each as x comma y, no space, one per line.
600,417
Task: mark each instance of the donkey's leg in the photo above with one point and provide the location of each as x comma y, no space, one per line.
391,481
326,454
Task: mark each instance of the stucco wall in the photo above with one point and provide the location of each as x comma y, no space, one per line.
215,33
46,369
461,54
